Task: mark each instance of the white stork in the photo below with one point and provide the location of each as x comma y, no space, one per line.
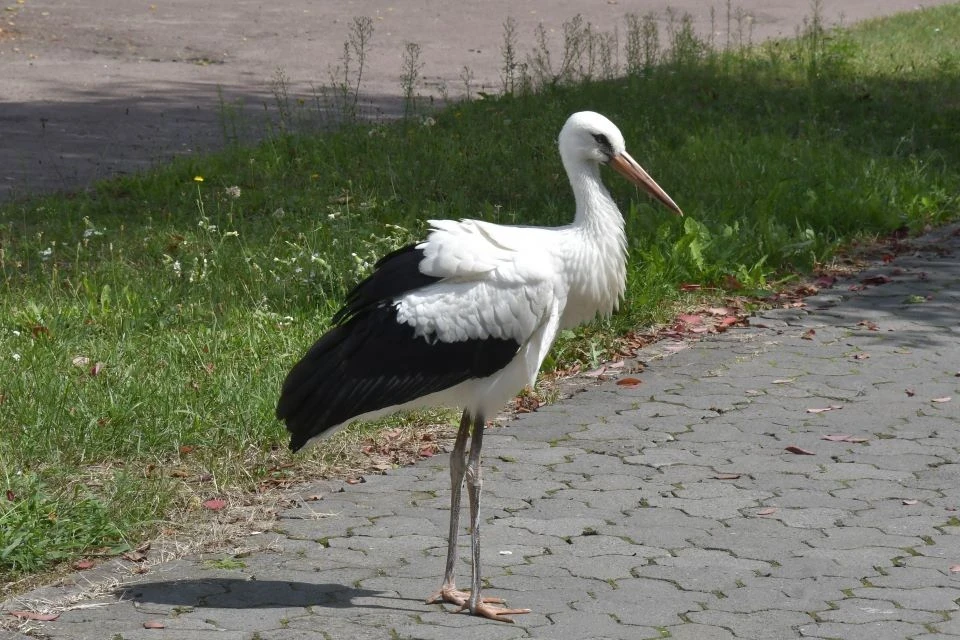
465,318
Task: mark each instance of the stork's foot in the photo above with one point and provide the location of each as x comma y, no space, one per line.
494,613
455,596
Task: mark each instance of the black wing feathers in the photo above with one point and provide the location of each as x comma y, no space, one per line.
369,361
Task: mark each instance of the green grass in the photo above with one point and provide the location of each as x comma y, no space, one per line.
196,298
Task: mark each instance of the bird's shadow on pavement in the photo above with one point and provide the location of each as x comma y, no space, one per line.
234,593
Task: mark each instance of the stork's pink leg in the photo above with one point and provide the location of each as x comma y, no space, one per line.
458,459
479,606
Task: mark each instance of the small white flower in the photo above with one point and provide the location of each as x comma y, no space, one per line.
16,357
46,253
233,192
16,333
177,268
90,232
428,122
279,212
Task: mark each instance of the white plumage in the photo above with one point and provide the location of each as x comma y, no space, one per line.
466,318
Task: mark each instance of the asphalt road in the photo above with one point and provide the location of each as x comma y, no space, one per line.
104,87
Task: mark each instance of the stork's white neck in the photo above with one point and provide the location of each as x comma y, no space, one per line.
597,258
596,210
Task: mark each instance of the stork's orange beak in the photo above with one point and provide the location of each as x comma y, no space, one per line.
629,169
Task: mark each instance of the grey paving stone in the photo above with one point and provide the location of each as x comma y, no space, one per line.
765,625
859,611
866,631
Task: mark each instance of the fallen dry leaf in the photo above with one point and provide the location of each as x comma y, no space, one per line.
727,476
861,356
955,568
595,373
80,361
910,503
844,438
629,382
39,330
134,556
832,407
784,381
83,565
881,279
910,392
689,287
766,511
808,334
943,399
690,319
34,615
870,325
214,504
359,480
798,450
154,624
97,368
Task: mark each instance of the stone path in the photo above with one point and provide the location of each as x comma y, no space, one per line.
673,509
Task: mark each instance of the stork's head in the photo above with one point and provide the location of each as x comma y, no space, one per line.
590,138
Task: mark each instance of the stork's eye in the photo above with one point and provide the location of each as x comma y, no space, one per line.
601,139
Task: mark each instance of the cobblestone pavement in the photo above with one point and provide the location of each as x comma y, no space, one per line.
672,509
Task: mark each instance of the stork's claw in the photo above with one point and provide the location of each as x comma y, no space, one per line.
457,597
494,613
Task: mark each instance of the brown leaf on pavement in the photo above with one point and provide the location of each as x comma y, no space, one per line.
943,399
766,511
799,450
629,382
808,334
875,280
955,568
154,624
910,391
832,407
34,615
727,476
910,502
836,437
